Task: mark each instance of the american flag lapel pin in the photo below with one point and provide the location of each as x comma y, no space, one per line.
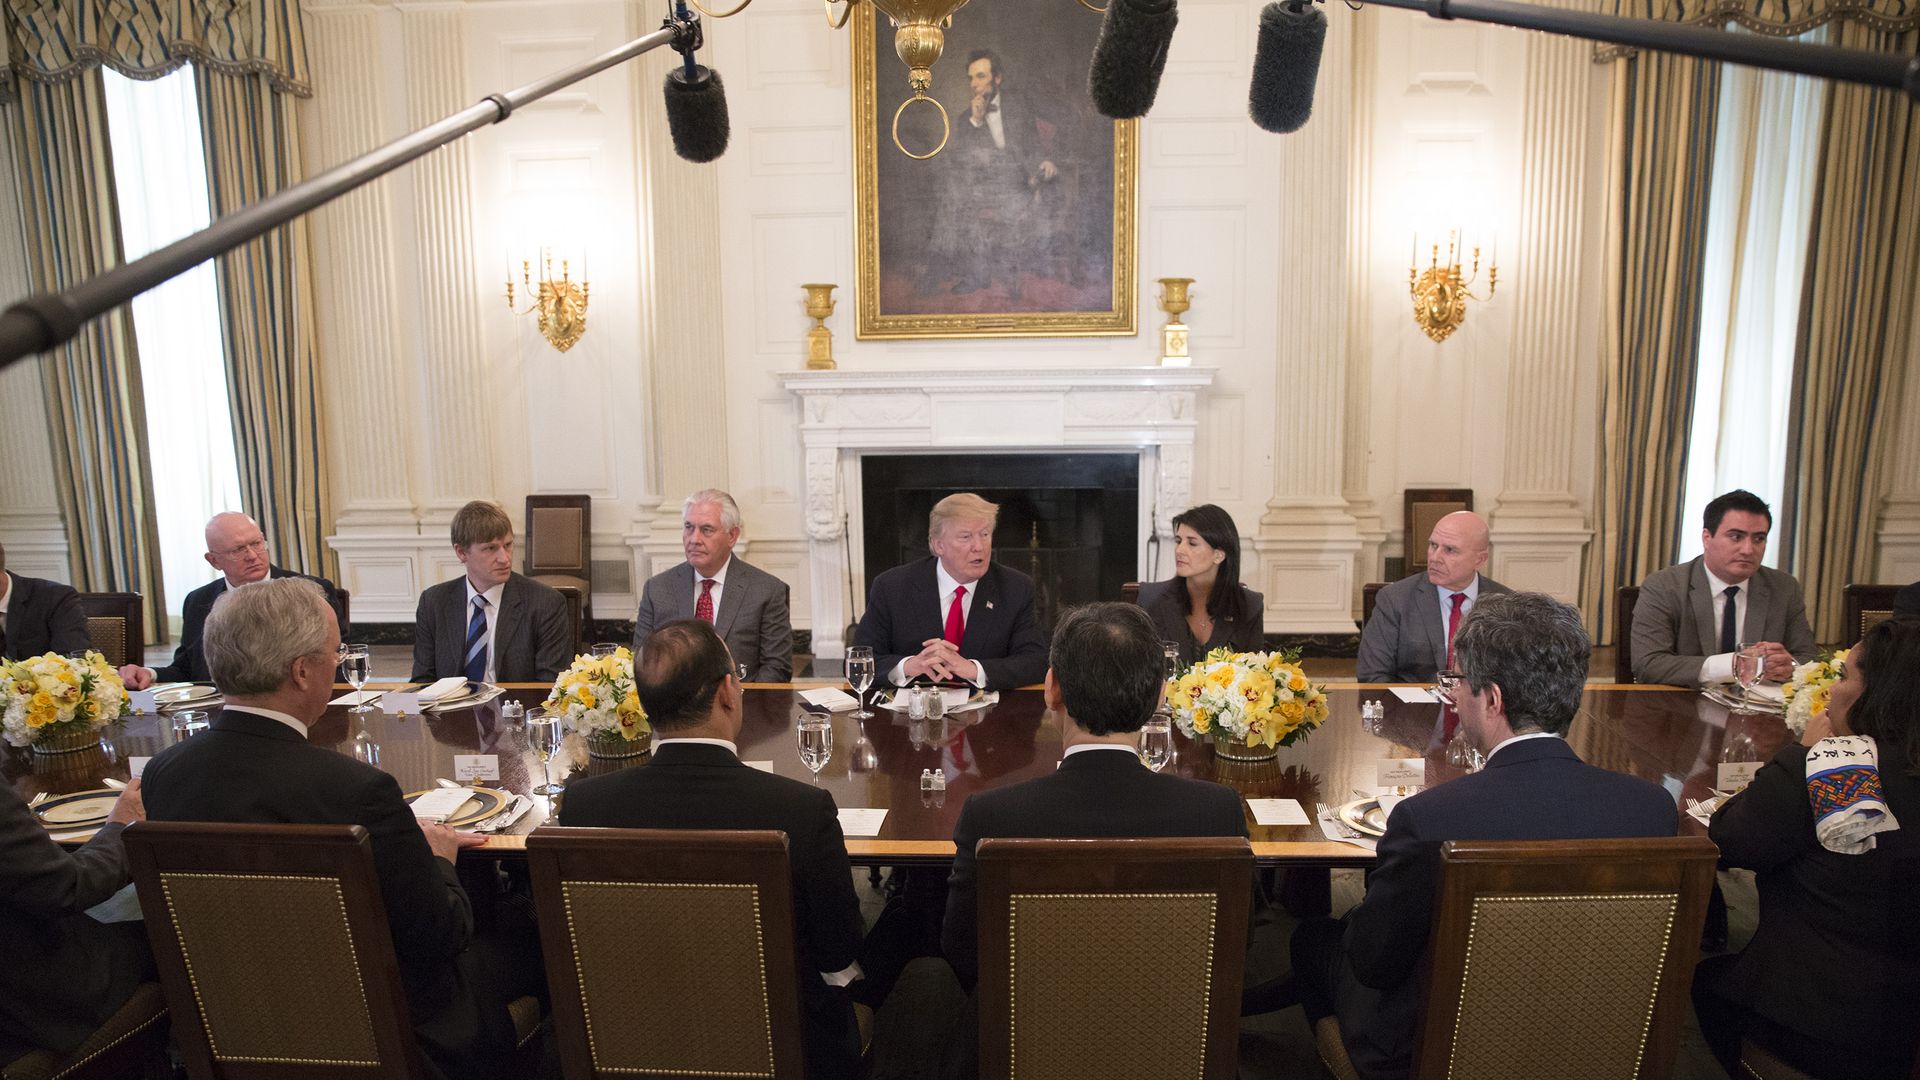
989,605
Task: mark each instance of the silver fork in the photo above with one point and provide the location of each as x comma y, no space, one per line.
1329,819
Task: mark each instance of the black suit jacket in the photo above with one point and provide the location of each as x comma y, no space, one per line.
1243,631
188,663
1836,956
903,610
701,786
1094,793
42,617
1533,790
251,768
532,635
64,974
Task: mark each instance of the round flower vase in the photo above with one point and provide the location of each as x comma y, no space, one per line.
607,744
67,741
1234,748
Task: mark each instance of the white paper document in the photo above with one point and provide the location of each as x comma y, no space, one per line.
1277,812
356,697
763,766
440,803
830,699
1415,695
860,821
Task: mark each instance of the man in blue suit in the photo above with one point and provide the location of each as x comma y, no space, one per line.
955,616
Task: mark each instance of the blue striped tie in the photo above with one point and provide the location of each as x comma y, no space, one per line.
477,641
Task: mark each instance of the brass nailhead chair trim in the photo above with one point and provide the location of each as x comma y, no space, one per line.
108,633
641,904
1168,937
335,1031
1547,931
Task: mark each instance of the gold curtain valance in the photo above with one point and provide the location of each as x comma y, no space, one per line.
1775,18
55,40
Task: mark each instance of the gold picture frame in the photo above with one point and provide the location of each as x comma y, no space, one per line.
951,246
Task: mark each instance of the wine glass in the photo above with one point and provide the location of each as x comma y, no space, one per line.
545,734
1156,742
603,649
1748,665
1171,651
815,736
860,675
356,663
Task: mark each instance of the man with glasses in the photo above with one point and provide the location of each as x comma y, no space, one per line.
1520,667
237,548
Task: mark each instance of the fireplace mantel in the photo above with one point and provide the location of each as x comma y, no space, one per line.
843,414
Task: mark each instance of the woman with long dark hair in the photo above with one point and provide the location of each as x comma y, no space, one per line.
1205,607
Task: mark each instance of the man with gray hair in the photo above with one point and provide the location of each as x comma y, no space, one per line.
1521,666
744,604
271,647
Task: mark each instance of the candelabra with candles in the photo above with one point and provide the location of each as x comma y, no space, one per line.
560,302
1440,292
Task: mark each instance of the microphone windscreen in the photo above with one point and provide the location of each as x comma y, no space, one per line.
1131,53
1286,64
697,113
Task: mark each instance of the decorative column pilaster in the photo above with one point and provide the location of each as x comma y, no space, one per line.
1539,530
1899,559
30,525
1356,461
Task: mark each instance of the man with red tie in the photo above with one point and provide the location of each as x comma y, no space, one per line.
744,604
955,616
1410,636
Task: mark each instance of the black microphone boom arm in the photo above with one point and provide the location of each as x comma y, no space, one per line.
44,321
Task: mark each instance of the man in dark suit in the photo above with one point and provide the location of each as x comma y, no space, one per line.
38,616
746,605
491,625
1522,659
1692,618
65,972
696,780
955,616
1105,680
272,648
1001,162
238,549
1409,637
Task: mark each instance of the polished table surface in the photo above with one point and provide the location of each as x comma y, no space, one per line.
1669,736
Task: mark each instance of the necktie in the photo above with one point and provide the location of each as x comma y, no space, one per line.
477,641
1453,625
1729,622
956,619
703,607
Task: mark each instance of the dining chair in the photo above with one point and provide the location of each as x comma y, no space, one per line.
560,543
704,917
1420,510
1866,607
1159,926
1624,601
132,1043
116,626
1606,930
1370,596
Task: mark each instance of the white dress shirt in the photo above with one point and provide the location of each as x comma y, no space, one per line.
719,586
1504,743
1719,667
948,586
1446,606
1078,747
271,714
994,125
493,620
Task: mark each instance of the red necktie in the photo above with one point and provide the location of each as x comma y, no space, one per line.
703,607
1453,625
956,619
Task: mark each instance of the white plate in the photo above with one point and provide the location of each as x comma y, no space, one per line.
78,809
184,695
1364,816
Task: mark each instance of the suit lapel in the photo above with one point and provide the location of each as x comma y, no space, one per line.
982,615
732,596
1700,596
1430,616
512,608
680,590
1759,600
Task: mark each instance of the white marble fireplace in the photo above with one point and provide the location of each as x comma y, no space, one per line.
1150,411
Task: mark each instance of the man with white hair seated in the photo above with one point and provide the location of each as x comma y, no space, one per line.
744,604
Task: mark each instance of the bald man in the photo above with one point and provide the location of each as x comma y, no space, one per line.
1409,638
238,549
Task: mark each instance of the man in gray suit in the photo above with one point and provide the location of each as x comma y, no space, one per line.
491,625
1410,636
1692,618
746,605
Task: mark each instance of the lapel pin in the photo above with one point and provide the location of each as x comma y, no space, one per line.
989,605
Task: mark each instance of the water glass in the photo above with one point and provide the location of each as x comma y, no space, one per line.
1156,742
1749,664
356,664
1170,650
544,735
189,722
860,675
815,736
603,649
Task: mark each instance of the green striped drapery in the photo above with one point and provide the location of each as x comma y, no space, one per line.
53,40
95,418
1857,322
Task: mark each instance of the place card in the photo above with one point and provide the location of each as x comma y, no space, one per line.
470,767
830,699
1277,812
860,821
1416,695
440,803
136,766
395,703
763,766
142,701
1735,775
1401,772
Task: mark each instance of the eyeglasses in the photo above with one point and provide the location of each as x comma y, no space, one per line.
241,549
1448,683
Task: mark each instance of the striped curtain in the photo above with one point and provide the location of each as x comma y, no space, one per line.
1665,111
1857,322
266,311
96,419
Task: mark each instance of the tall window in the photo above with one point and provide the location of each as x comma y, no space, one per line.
1759,212
160,178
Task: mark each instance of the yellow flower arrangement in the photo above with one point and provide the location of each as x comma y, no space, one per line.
48,695
1806,693
1261,699
597,696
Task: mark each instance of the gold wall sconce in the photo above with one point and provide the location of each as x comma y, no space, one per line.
1440,292
560,302
1174,300
820,339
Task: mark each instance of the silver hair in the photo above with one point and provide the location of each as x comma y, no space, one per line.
256,632
1535,648
729,510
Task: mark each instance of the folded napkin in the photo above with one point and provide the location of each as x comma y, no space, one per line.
452,684
1843,783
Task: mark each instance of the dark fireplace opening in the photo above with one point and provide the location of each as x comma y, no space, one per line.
1070,521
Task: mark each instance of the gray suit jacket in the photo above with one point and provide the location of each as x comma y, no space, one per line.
533,637
752,619
1674,630
1406,641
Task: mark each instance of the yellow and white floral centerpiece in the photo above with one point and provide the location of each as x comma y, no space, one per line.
596,698
1806,693
56,704
1251,703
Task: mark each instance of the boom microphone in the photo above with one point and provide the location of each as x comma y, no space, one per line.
1285,64
697,112
1131,53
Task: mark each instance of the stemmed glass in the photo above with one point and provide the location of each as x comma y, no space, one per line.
1156,741
1748,665
603,649
860,675
545,734
356,663
815,736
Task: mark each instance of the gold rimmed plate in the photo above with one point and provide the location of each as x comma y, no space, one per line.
77,810
482,803
1365,816
187,695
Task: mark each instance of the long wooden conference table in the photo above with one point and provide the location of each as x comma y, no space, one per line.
1670,736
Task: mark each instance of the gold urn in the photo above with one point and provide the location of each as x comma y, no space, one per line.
820,339
1173,336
